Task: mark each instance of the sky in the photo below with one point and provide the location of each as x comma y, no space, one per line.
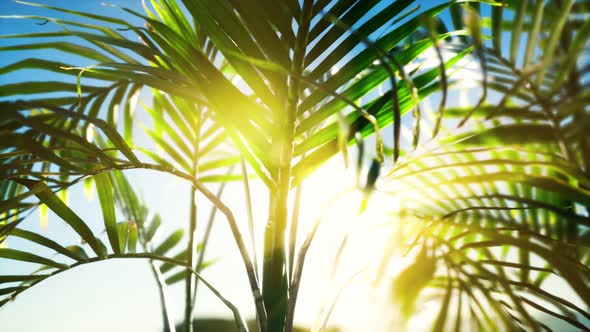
121,295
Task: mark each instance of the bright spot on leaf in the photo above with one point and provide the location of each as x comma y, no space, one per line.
43,216
116,114
65,197
133,102
88,189
334,70
90,133
236,79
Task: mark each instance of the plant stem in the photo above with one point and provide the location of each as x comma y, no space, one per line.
188,302
167,319
274,287
293,231
275,279
188,306
207,235
296,276
249,210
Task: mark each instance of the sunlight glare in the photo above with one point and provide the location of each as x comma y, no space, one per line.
330,194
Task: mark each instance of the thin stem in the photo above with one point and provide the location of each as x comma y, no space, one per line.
190,249
188,291
167,318
169,325
296,277
293,229
249,211
207,235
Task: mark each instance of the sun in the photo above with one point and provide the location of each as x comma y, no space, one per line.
331,195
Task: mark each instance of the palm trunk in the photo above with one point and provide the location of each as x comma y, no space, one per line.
274,274
275,287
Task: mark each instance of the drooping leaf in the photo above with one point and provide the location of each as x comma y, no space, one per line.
46,195
28,257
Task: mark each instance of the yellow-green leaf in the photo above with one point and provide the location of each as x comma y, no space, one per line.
107,203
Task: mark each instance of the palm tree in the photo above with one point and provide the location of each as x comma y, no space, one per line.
252,84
